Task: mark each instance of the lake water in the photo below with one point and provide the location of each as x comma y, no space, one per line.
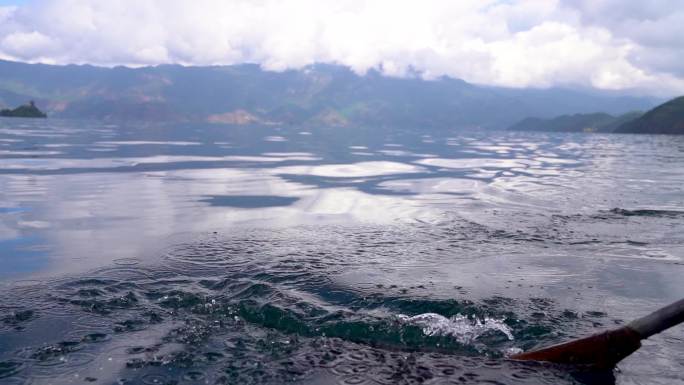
184,254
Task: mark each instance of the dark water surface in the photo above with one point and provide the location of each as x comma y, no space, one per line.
235,255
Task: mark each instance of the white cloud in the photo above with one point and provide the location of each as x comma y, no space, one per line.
607,44
27,44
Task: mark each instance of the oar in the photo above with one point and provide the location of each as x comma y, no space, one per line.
604,350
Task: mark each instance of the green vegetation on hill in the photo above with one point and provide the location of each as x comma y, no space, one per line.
596,122
667,118
26,111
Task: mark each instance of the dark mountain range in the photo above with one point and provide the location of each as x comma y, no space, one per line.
667,118
317,95
595,122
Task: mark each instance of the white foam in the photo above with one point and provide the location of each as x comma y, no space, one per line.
462,328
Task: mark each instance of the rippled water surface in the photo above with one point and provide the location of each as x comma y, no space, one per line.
189,254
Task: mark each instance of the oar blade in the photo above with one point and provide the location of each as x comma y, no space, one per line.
599,351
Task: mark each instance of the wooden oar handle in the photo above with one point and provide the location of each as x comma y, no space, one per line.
659,320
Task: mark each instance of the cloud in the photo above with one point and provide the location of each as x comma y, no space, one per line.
607,44
28,45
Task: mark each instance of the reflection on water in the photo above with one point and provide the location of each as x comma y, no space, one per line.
187,254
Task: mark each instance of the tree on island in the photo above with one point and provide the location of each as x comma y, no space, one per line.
25,111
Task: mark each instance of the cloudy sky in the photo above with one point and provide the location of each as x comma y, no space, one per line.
629,45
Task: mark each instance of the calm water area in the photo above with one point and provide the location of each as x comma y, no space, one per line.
191,254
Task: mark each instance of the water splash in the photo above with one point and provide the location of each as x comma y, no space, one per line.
462,328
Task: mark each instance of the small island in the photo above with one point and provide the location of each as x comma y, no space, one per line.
26,111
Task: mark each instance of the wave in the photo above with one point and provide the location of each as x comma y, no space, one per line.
647,213
465,330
